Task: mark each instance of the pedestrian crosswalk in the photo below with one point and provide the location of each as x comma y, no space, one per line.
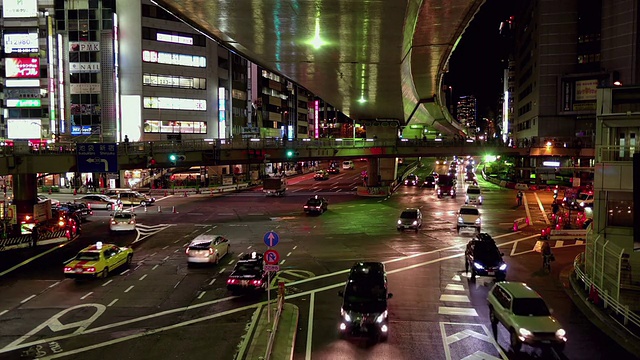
461,303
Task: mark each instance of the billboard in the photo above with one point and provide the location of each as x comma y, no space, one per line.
21,83
23,128
21,43
85,88
22,93
84,67
19,8
22,67
23,103
586,89
84,46
81,130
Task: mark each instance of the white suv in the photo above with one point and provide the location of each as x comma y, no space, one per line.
473,195
469,217
523,312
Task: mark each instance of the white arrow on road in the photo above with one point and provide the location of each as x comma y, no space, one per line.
99,160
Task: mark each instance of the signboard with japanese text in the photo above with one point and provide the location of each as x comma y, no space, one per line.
81,130
24,103
97,157
586,89
84,46
86,88
84,67
21,43
8,213
22,67
19,8
22,94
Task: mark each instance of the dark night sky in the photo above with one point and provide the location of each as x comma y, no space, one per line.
476,66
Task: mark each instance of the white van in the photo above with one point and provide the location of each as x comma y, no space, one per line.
473,195
348,165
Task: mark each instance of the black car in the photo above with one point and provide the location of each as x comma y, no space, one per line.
411,180
429,182
333,170
364,306
484,258
80,210
316,204
249,274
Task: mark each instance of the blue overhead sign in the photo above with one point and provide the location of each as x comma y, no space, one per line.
97,157
271,238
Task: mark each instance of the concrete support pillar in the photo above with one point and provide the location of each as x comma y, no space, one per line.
381,172
25,190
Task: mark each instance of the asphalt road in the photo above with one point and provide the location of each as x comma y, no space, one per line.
160,308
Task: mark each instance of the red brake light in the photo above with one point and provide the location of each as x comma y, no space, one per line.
210,251
90,269
186,251
231,281
256,282
132,221
68,269
113,222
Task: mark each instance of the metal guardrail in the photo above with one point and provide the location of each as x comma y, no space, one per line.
615,153
274,329
608,300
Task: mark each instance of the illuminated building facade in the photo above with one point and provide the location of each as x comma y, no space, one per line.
467,112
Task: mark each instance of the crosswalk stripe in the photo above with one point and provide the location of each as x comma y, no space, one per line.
454,287
454,298
445,310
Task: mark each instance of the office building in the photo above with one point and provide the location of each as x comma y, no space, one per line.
467,112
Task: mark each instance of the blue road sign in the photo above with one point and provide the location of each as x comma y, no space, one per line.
271,238
97,157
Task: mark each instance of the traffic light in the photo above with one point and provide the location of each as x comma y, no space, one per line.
292,153
174,158
151,162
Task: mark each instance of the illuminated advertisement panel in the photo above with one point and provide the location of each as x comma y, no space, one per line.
175,127
586,89
24,103
22,67
84,67
176,39
23,128
222,113
21,83
22,94
174,59
81,130
19,8
21,43
152,102
75,46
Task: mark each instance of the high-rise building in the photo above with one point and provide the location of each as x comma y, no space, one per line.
467,112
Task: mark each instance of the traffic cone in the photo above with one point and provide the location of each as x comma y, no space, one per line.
75,191
515,225
527,221
159,209
173,210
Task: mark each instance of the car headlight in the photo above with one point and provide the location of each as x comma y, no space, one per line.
382,316
345,315
582,203
415,222
480,198
524,332
399,222
460,220
478,266
561,333
503,267
478,221
452,191
467,198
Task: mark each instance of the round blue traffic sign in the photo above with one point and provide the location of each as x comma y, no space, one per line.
271,238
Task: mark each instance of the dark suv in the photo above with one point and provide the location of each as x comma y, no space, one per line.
364,306
484,258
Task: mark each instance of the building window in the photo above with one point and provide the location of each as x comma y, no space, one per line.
167,103
175,127
171,81
159,57
619,209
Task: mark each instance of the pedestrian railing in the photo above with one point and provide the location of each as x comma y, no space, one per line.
274,329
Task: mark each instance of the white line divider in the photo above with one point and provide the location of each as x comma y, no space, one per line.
544,213
312,301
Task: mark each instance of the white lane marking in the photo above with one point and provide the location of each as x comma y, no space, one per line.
185,244
113,302
445,310
221,271
526,208
27,299
124,272
165,248
240,255
231,262
454,287
155,253
166,258
28,261
107,283
176,250
176,285
142,277
289,254
338,190
137,267
249,247
454,298
201,294
544,213
177,241
3,312
155,267
211,282
129,288
245,341
282,261
86,296
312,301
456,277
54,284
295,247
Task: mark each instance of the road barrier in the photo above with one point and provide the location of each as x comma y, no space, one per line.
578,234
274,330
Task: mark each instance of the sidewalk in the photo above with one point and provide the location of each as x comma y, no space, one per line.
285,337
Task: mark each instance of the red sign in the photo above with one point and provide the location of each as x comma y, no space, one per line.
271,257
22,67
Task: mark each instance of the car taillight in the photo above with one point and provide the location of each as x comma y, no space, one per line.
68,269
90,269
132,222
210,251
306,207
452,192
256,282
61,223
113,222
232,281
186,251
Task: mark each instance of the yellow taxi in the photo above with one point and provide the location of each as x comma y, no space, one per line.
97,260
